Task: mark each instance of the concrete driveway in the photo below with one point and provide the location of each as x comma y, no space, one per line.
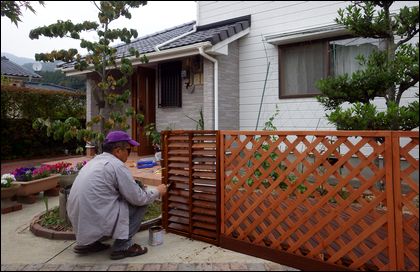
22,250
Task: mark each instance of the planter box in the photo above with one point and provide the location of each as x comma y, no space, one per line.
36,186
66,180
10,192
7,204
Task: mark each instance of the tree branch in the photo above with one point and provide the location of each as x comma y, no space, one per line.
96,6
409,37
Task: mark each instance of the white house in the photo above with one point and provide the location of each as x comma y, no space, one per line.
219,65
276,27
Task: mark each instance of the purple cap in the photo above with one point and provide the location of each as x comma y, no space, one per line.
119,136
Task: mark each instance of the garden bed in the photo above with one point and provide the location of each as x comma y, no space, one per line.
49,225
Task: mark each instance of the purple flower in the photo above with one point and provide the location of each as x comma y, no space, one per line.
23,173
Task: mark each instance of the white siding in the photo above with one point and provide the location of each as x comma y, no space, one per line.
274,17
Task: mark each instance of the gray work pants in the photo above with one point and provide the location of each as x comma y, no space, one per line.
136,215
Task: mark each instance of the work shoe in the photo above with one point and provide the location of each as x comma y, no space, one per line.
94,247
134,250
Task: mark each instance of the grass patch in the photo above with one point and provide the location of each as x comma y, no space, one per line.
154,210
51,219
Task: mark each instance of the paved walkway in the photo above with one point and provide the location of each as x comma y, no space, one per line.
21,250
232,266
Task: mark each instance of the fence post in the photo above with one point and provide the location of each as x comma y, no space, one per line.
219,183
190,183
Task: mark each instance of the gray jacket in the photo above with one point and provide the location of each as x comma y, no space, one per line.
97,205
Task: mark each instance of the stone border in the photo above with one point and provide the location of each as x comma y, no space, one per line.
40,231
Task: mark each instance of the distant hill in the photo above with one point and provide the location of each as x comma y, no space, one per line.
27,62
16,59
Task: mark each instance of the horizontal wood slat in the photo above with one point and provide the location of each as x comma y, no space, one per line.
179,165
206,233
178,178
179,220
177,226
190,160
204,145
181,159
178,152
204,167
178,172
204,160
179,206
211,153
204,175
211,182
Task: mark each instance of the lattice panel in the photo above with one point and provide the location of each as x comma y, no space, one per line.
191,207
322,195
406,172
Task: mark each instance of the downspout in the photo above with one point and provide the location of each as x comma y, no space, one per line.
216,86
176,38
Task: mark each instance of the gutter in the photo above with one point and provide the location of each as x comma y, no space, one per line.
176,38
177,52
216,86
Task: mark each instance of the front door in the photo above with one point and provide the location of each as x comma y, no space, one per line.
144,99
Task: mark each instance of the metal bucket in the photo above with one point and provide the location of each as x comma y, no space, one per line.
155,235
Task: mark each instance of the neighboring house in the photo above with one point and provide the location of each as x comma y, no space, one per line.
18,76
16,73
224,59
49,87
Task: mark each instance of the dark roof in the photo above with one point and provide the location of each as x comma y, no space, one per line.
48,86
213,33
147,43
9,68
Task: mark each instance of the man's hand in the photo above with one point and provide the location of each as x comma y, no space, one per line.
162,189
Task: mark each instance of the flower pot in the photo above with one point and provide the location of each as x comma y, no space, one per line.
66,180
10,191
7,204
36,186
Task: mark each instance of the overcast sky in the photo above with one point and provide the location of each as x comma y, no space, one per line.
155,16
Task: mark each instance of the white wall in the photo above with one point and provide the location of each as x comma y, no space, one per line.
273,17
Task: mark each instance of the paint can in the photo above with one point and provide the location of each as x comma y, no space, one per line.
155,235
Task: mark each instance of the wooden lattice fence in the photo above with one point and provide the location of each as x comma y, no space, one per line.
308,199
285,196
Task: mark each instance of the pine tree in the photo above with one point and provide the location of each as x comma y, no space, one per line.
387,72
111,94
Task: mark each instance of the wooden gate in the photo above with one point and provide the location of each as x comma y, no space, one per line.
191,207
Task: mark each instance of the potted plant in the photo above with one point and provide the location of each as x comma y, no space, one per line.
68,173
154,135
35,180
8,186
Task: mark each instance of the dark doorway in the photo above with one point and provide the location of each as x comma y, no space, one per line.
144,101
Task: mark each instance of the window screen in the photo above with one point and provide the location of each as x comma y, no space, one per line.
170,87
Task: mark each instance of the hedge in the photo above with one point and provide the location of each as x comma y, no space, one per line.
20,106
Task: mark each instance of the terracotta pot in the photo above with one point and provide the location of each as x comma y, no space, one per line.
66,180
36,186
10,191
